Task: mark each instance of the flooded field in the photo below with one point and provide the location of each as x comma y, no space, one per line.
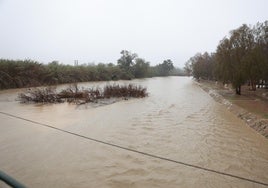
178,121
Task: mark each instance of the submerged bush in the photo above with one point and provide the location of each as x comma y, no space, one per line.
124,91
43,95
81,96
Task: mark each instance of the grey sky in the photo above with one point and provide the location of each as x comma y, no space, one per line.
97,30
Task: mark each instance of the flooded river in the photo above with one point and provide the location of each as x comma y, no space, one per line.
178,121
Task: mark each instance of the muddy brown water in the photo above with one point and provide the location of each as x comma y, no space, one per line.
178,121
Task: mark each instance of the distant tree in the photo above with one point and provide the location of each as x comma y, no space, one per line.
178,72
103,72
28,73
126,60
141,68
110,65
165,68
188,68
202,66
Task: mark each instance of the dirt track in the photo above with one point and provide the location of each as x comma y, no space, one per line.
250,106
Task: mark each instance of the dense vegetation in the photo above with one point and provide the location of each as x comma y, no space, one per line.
240,58
27,73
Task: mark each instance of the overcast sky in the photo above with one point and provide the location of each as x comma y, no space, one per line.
97,30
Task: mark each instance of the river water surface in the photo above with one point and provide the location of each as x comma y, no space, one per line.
178,121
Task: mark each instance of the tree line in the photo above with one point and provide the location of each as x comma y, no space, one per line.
28,73
241,57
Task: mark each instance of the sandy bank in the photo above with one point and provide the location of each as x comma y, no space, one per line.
224,96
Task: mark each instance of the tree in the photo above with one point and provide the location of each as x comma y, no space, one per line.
165,68
126,61
201,66
188,68
259,56
241,57
245,65
233,54
141,68
178,72
223,59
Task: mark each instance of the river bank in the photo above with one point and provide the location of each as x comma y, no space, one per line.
251,106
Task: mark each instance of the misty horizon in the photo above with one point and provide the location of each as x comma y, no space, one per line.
97,31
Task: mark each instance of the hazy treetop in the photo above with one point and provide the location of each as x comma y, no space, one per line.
97,30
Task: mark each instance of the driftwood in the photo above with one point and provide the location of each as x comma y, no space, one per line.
81,96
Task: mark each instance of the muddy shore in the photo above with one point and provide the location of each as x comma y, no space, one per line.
224,95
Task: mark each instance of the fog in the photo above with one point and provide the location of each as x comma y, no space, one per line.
97,30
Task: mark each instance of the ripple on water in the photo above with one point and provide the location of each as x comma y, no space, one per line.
178,121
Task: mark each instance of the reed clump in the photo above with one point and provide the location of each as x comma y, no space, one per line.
73,94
